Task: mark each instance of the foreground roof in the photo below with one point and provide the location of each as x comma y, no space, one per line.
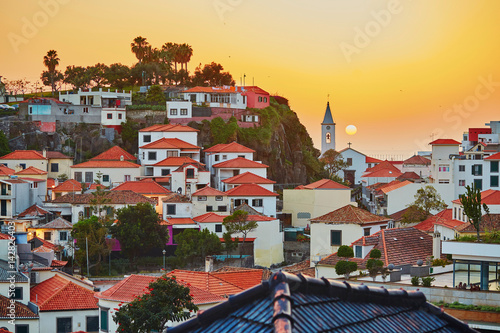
250,190
21,310
350,215
427,225
23,155
291,303
5,171
489,197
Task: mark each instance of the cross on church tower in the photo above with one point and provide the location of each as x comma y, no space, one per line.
349,144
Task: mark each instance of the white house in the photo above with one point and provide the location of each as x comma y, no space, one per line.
176,205
165,167
226,151
189,178
248,178
163,148
112,172
179,109
224,97
22,159
357,164
257,197
156,132
13,195
234,167
209,199
384,172
418,164
441,167
314,199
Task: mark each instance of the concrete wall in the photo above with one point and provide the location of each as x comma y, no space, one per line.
214,158
320,237
116,175
200,207
174,109
48,320
399,199
33,324
189,137
296,251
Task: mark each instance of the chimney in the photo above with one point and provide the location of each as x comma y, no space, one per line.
209,264
44,152
121,158
436,245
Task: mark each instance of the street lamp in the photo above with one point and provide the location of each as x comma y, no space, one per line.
164,252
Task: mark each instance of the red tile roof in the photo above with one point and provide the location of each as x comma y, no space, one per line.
383,173
58,223
409,175
394,186
142,187
179,221
326,184
42,249
489,197
58,263
115,197
51,182
489,223
248,178
254,89
23,155
106,164
206,281
176,197
134,285
400,246
232,147
165,143
114,154
33,211
494,157
303,267
6,171
4,236
55,155
428,224
252,190
69,185
168,128
31,171
209,218
59,294
45,243
351,215
384,165
214,90
21,310
369,159
244,279
175,161
417,160
239,162
208,192
444,142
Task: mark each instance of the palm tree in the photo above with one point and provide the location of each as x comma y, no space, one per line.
187,53
139,47
173,51
51,61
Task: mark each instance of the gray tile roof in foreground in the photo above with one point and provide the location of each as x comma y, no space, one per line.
296,303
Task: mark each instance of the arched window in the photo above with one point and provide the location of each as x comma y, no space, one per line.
328,138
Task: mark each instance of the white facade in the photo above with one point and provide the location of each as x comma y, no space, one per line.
225,173
179,109
96,98
214,158
146,137
113,116
218,98
219,204
13,197
49,319
33,324
187,180
110,176
182,209
357,163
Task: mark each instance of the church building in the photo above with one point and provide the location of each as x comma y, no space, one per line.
327,131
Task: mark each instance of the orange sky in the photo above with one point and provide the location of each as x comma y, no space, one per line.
400,71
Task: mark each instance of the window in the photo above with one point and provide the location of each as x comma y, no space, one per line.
89,177
444,181
105,178
127,178
47,235
494,166
64,325
224,157
151,155
92,323
494,181
18,293
210,208
172,153
349,161
265,99
22,165
202,198
239,202
86,110
170,209
461,168
366,231
22,328
165,172
184,112
358,251
146,138
216,158
120,116
236,172
63,235
173,112
303,215
87,212
461,182
218,228
444,168
218,198
328,138
478,183
335,237
260,98
104,320
222,208
31,110
257,202
54,167
78,176
190,173
109,116
34,185
477,170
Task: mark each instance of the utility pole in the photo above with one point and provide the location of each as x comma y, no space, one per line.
87,250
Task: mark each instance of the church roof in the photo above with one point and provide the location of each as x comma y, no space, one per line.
328,115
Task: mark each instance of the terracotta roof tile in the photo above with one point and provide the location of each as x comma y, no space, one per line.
369,159
23,155
409,175
114,154
489,223
232,147
417,160
21,310
209,218
428,224
69,185
115,197
392,187
175,197
252,190
351,215
206,281
326,184
179,220
494,157
31,171
58,223
444,142
171,143
239,162
243,279
55,155
208,191
6,171
175,161
248,178
106,164
489,197
168,128
33,211
59,294
142,187
303,267
45,243
214,90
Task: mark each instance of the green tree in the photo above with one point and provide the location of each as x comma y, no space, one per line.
238,223
155,95
194,244
77,76
99,202
4,144
229,244
374,264
165,300
96,74
93,233
471,203
211,75
117,75
130,135
333,162
345,267
51,61
138,230
139,47
427,199
414,214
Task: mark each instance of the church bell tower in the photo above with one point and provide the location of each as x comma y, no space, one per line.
327,131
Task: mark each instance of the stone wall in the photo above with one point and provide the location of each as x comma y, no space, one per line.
296,251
